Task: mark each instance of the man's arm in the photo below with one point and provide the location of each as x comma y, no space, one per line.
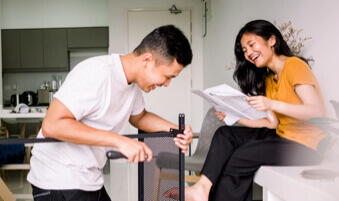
59,123
150,122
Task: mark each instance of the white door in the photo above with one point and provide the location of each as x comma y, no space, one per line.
166,102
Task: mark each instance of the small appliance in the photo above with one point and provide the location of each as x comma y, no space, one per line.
29,98
43,97
16,99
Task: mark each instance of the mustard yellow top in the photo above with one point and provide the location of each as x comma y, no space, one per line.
295,71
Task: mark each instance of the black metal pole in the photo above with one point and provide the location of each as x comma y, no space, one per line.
141,178
181,161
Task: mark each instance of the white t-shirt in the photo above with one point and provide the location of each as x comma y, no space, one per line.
97,93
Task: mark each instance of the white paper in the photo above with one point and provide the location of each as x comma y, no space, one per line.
230,101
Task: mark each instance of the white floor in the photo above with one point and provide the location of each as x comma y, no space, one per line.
17,183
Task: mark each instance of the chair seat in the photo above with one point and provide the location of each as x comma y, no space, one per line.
167,160
194,163
170,161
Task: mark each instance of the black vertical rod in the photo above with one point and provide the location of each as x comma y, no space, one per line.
205,16
181,161
141,178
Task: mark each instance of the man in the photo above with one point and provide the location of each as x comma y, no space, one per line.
99,96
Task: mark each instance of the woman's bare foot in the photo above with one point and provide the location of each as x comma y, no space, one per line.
193,193
172,193
197,192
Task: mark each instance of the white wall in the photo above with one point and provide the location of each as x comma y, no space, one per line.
53,13
118,38
19,14
318,20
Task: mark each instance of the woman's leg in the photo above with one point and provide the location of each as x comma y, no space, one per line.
225,141
235,182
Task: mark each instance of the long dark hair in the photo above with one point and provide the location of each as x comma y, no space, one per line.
252,80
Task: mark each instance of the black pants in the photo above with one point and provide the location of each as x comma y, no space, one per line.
69,195
236,153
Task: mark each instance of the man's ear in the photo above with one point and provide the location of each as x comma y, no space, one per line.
272,41
147,57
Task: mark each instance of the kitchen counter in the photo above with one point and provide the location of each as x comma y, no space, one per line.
5,115
30,117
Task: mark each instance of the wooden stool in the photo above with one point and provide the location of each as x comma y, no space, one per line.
3,132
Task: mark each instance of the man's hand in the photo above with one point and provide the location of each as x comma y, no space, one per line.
185,139
134,150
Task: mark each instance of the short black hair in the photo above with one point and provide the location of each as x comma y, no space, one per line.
169,42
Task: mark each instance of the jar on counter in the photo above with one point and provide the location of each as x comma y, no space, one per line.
47,85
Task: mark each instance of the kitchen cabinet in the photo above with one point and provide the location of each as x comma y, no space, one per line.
10,49
88,37
46,50
32,49
55,49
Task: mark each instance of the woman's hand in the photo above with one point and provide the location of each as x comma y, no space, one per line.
260,103
221,116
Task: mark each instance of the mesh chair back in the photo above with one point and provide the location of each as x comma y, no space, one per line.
154,182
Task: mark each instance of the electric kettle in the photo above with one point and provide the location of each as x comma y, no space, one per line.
16,99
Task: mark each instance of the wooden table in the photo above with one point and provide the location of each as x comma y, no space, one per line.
22,118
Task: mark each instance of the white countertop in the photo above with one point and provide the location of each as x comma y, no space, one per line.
288,184
30,117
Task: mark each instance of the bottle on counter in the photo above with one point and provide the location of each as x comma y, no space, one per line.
54,82
59,81
50,97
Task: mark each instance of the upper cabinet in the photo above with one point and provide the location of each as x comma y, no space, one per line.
55,49
10,40
32,49
88,37
45,50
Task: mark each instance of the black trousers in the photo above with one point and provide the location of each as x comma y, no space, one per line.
236,153
69,195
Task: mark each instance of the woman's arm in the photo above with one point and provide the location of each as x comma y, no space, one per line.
268,122
311,106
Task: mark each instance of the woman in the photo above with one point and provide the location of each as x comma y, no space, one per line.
285,87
